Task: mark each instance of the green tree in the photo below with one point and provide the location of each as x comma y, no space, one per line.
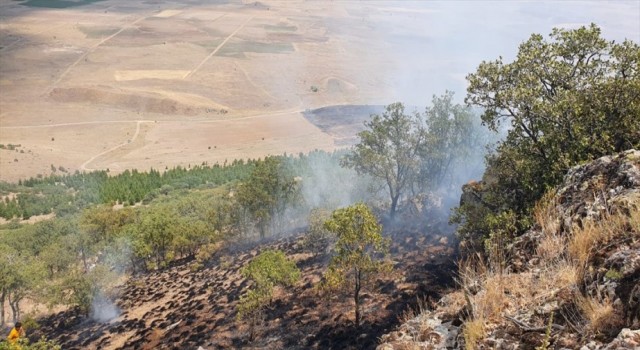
25,278
103,223
359,252
451,139
191,234
268,270
389,150
318,238
157,232
79,288
267,193
569,99
6,277
56,257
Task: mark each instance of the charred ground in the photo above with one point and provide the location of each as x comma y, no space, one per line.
179,308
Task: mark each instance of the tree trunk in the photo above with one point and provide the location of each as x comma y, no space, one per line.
84,260
2,298
262,228
356,297
15,309
394,205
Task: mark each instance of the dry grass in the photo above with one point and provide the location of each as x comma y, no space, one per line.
634,218
493,292
600,314
591,235
493,301
551,247
453,303
545,214
563,275
474,331
422,306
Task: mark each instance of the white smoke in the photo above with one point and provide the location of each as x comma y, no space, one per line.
103,309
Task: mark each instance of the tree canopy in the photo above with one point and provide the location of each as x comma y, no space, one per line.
388,150
413,153
567,99
267,192
359,251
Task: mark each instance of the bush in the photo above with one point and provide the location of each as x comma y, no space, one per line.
318,238
269,269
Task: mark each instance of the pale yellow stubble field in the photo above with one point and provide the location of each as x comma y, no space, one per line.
120,85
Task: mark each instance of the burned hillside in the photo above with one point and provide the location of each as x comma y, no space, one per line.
178,307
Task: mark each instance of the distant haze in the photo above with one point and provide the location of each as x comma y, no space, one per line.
119,84
433,45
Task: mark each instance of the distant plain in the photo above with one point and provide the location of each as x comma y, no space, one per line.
115,84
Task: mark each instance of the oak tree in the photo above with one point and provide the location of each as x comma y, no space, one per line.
389,150
360,251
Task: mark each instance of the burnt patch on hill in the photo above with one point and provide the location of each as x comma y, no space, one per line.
180,307
343,122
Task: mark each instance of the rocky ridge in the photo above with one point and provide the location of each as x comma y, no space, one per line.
571,282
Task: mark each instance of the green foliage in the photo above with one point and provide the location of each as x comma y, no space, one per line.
569,99
79,288
22,273
359,252
414,153
157,232
388,150
503,227
54,193
614,274
547,335
268,191
61,261
452,139
318,237
24,344
269,269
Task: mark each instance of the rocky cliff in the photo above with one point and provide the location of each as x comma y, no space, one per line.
571,282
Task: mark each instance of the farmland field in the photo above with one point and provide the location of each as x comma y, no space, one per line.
115,84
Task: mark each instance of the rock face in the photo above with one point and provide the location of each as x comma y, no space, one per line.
589,192
593,301
424,331
606,185
627,339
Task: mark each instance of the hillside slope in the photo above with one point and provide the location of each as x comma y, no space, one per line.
184,308
571,282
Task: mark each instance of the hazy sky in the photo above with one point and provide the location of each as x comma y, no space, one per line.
440,42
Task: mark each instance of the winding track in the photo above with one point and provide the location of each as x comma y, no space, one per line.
84,166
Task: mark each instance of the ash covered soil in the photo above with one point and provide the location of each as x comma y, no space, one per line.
177,308
342,122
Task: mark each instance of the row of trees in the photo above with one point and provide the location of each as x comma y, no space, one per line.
68,194
63,260
73,259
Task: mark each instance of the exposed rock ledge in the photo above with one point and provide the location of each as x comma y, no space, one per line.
590,193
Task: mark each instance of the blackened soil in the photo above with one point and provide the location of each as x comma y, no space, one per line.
178,308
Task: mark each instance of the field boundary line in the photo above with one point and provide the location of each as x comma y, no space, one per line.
192,72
